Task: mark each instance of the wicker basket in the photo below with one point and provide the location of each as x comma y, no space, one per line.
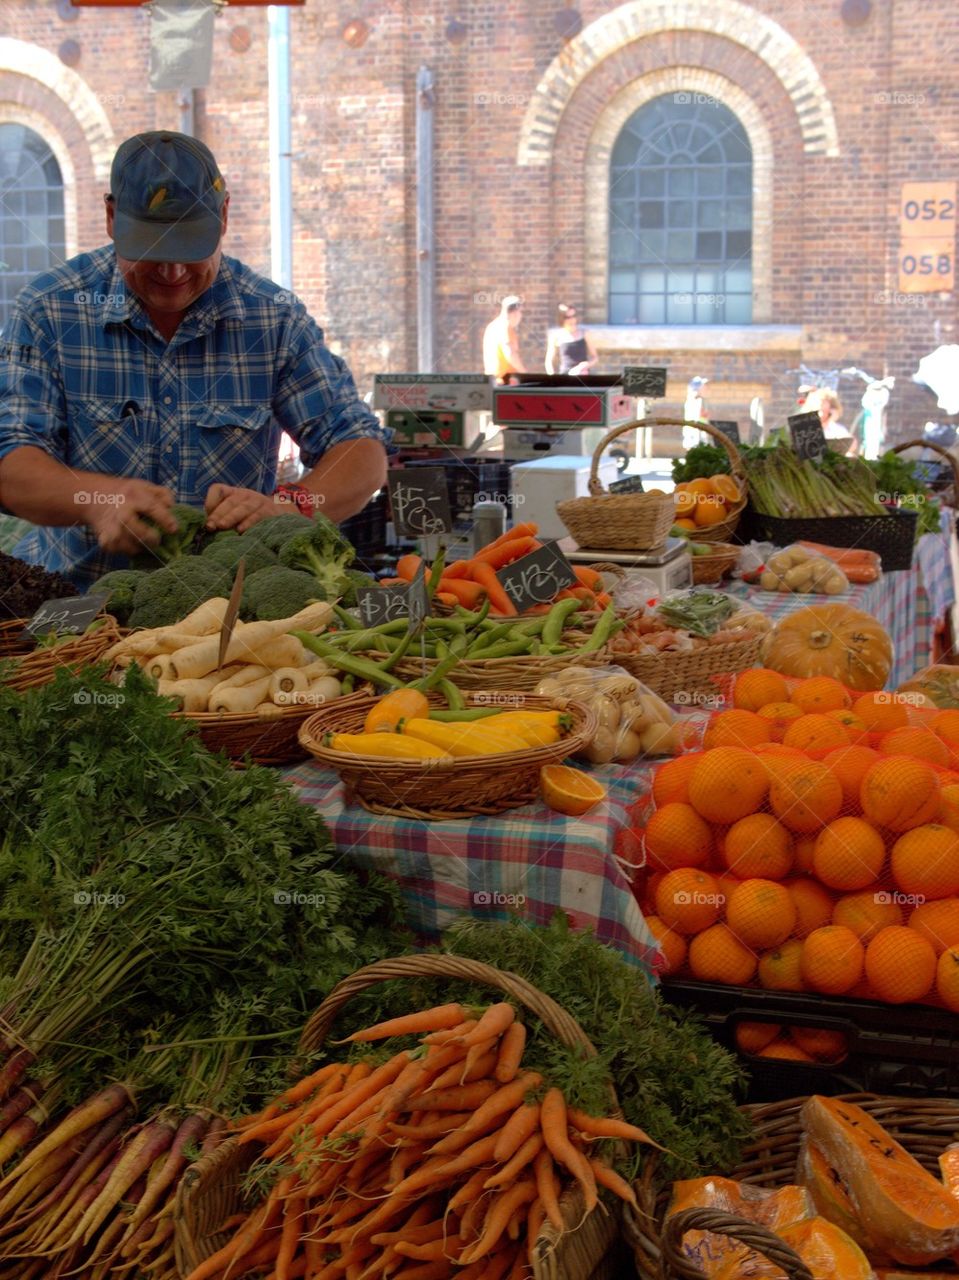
210,1190
519,674
723,531
617,521
39,666
677,677
439,789
14,640
708,570
949,495
924,1126
245,736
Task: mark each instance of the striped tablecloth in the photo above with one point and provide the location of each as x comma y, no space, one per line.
529,861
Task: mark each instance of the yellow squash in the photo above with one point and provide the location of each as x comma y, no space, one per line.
473,739
393,746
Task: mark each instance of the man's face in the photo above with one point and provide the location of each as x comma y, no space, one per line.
514,317
169,287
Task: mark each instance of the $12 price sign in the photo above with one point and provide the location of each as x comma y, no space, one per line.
537,578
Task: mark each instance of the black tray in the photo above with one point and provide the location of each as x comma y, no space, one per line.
892,537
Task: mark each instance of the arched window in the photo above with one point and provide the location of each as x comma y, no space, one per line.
32,229
680,215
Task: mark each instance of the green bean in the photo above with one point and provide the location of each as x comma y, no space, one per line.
436,572
505,649
362,668
347,618
502,631
605,627
399,651
347,684
439,672
459,645
556,620
455,700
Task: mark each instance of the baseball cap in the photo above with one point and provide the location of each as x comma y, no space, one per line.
698,382
168,197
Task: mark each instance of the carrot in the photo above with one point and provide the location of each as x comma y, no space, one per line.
527,1152
534,1223
510,1053
479,1153
455,572
502,1100
499,600
303,1089
442,1018
244,1241
587,577
547,1187
444,1123
527,530
607,1127
494,1022
429,1271
407,566
86,1116
191,1130
414,1232
521,1125
463,591
451,1033
602,600
554,1123
458,1098
430,1250
498,555
359,1093
469,1193
152,1140
609,1178
448,598
390,582
497,1220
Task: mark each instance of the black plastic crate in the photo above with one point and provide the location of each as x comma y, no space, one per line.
909,1049
892,537
468,479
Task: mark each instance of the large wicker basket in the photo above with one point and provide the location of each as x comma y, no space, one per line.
14,640
724,530
38,666
711,569
924,1126
270,740
617,521
437,789
520,674
950,494
211,1189
684,677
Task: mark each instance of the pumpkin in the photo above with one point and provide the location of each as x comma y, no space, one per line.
830,640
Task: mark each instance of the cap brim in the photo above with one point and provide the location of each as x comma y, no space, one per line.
186,240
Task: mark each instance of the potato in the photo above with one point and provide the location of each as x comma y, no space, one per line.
549,687
656,709
661,740
799,577
638,718
769,580
628,746
607,711
602,748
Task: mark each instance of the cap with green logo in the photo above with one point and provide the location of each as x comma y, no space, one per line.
168,199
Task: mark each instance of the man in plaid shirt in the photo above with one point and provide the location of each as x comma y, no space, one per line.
156,370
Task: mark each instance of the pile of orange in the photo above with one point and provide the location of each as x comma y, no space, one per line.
832,869
701,503
798,1044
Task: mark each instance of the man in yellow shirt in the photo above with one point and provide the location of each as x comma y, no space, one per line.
501,340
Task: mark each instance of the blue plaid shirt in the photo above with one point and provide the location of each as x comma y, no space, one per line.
86,377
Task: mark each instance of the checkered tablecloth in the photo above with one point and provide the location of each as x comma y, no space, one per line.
530,860
910,604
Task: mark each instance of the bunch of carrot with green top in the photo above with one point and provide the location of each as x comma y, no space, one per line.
469,582
445,1160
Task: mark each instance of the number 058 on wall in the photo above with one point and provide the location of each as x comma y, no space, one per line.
927,237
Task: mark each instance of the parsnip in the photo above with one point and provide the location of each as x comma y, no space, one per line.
244,698
193,695
314,670
268,709
160,666
206,619
263,643
236,677
326,689
287,680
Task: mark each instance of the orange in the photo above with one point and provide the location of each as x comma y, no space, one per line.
761,913
702,488
727,784
938,922
758,845
815,733
880,712
947,978
672,947
781,968
757,687
676,836
684,523
900,965
780,715
832,960
868,912
687,900
709,511
717,955
950,806
922,744
727,488
805,796
671,780
727,884
856,731
736,729
850,764
849,854
787,1050
820,693
681,487
751,1037
946,725
824,1046
900,793
569,790
684,502
813,903
803,849
925,862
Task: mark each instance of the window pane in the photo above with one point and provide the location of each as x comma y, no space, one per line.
709,308
738,214
652,182
709,245
652,309
711,213
710,182
652,281
739,308
738,244
681,182
622,281
31,211
680,245
736,145
681,213
681,309
681,281
652,246
622,245
622,309
707,282
738,280
739,180
650,213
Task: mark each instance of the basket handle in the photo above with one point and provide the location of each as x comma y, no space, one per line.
936,448
744,1232
736,464
553,1016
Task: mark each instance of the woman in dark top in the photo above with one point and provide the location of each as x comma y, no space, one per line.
568,349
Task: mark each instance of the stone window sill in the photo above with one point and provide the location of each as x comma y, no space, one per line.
719,337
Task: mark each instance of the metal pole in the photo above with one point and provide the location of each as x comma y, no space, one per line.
281,169
425,240
185,103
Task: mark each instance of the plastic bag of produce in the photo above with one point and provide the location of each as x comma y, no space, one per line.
752,558
798,570
632,720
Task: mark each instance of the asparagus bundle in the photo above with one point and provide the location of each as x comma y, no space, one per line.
781,484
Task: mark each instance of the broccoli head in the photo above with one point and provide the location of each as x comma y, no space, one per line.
120,585
274,531
323,551
229,551
354,582
191,521
277,593
168,595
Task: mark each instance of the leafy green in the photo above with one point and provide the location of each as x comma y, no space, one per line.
701,462
897,477
191,522
168,595
322,550
699,611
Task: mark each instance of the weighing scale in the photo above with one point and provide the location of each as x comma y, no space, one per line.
670,568
546,413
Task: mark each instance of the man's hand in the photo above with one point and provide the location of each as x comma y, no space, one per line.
231,508
114,512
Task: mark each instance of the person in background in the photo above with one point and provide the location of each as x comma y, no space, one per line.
501,355
825,402
568,348
694,410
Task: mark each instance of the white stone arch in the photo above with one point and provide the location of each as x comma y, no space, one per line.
15,113
606,130
730,19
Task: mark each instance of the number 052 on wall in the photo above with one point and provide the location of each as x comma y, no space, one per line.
927,237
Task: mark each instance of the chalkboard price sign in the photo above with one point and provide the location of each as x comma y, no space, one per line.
628,484
730,429
66,617
537,578
648,383
808,438
419,501
383,604
418,599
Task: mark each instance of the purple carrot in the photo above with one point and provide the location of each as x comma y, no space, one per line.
109,1240
216,1134
191,1130
13,1069
29,1093
152,1140
88,1115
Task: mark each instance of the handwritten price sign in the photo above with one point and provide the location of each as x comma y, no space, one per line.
419,501
537,578
65,617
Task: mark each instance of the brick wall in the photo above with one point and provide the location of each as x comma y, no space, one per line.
884,89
